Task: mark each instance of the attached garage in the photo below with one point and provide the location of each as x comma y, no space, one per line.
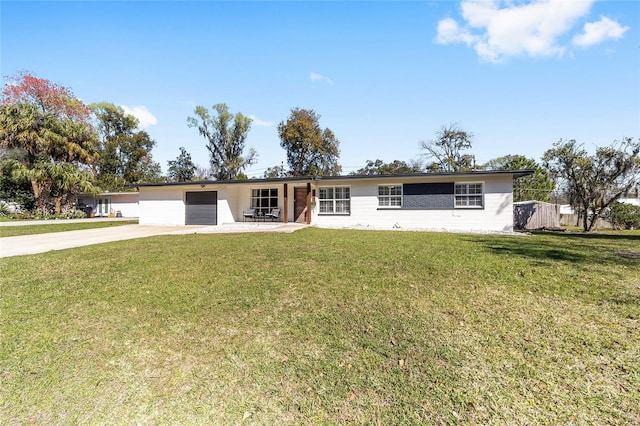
201,208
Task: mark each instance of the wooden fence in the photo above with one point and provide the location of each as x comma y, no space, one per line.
576,220
536,215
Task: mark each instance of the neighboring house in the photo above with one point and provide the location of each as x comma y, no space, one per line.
479,200
566,209
115,204
632,201
536,215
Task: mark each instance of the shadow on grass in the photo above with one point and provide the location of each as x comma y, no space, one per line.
583,248
633,237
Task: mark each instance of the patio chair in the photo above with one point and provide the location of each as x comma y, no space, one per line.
273,214
250,213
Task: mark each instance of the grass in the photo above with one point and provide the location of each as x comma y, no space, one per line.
13,231
325,327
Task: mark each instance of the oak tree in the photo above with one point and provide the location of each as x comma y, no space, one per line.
125,150
226,136
537,186
448,150
594,182
311,150
396,167
182,169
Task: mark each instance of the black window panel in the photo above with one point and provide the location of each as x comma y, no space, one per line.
428,188
428,196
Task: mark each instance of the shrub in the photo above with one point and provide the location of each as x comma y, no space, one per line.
4,209
624,216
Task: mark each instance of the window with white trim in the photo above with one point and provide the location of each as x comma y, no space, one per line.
468,195
263,200
334,200
389,195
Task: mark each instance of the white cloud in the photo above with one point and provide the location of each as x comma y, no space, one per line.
314,76
597,32
261,123
498,29
143,115
449,32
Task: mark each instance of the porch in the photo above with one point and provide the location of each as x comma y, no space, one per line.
269,202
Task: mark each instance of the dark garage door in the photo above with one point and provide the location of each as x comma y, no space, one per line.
201,208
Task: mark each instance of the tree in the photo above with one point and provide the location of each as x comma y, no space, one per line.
533,187
182,169
125,151
13,189
226,135
594,182
275,172
396,167
149,170
448,148
48,97
51,129
623,216
61,183
311,150
202,173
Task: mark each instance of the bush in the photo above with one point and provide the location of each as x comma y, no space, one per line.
73,214
624,216
40,215
4,209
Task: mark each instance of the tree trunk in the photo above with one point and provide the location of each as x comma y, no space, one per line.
42,194
36,189
585,220
57,202
594,219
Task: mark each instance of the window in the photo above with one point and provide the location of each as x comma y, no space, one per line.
335,200
263,200
468,194
390,196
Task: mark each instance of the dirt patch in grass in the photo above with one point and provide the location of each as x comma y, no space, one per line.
629,254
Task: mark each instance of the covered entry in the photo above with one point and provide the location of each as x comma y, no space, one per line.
201,208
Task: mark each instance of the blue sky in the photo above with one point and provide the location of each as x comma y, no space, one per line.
519,75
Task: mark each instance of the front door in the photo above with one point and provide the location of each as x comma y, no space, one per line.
103,207
300,204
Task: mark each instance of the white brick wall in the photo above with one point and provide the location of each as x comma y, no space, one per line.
497,214
165,205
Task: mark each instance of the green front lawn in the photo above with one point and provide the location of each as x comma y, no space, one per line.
12,231
325,327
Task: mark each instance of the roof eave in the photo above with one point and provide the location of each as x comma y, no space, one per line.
514,173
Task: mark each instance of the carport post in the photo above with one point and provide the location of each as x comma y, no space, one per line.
308,215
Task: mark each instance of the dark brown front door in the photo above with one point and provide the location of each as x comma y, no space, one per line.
299,204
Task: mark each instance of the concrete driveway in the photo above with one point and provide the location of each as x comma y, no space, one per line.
40,243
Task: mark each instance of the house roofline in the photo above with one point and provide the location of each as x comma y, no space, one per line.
106,193
514,173
225,182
